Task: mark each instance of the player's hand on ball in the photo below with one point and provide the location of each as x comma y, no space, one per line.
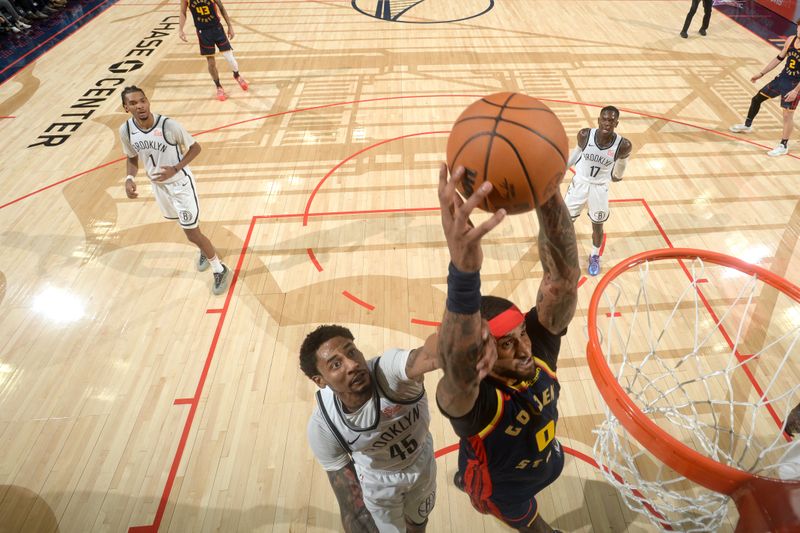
464,239
130,189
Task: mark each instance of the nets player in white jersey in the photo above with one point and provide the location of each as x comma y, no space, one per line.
369,430
600,157
210,35
166,149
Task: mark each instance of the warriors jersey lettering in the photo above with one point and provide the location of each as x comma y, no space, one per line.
596,163
387,433
163,145
792,66
204,13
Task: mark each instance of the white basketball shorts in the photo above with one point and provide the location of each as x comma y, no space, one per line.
393,497
178,201
581,192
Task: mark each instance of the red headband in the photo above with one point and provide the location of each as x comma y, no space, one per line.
503,323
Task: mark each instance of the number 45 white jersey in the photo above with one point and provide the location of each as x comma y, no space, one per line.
596,163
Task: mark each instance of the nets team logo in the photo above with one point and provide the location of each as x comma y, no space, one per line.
186,217
422,11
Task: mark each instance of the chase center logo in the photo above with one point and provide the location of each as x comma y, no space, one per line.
422,11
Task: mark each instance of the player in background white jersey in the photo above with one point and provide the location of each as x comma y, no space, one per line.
369,430
599,158
166,149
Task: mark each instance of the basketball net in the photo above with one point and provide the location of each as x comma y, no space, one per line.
701,370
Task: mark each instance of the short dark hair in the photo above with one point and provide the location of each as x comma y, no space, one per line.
315,339
128,90
612,109
491,306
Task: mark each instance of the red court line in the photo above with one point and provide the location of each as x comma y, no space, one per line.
359,301
615,314
195,400
212,311
603,243
351,156
8,116
313,258
425,322
582,281
62,30
183,401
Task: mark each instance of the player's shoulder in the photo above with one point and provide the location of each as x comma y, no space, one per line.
625,145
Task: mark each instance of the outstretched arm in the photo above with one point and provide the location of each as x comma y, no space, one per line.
558,251
355,516
461,336
182,20
775,61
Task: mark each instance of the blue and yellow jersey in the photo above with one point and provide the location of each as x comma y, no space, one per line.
791,68
204,13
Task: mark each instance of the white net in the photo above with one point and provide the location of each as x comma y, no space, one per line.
709,354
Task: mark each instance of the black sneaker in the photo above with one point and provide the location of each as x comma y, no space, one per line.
221,280
684,35
458,481
703,32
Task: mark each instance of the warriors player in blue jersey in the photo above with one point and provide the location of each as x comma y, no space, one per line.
600,157
786,84
166,149
506,421
211,35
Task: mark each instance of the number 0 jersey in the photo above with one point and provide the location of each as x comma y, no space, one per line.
204,13
387,433
596,163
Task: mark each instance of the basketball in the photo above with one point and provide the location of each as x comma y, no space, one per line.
514,141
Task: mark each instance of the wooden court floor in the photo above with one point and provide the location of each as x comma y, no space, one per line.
132,399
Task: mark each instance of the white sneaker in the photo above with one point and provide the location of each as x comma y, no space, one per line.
741,128
778,150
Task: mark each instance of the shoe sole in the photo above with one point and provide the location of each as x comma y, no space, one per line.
202,267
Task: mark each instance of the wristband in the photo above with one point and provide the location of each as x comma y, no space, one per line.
463,291
129,177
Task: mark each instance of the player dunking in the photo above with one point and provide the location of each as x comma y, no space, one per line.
599,158
507,422
211,35
786,84
166,149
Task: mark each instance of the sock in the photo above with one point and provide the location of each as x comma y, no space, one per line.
216,265
228,55
748,122
595,250
217,83
784,142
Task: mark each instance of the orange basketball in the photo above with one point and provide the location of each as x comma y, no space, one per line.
514,141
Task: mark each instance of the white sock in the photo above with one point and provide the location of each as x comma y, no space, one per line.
216,265
228,55
595,250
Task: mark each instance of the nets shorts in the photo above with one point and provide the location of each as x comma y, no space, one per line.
780,86
581,192
178,201
211,37
394,497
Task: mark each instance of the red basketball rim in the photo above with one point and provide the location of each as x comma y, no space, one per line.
681,458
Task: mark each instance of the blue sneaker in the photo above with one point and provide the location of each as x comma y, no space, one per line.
594,265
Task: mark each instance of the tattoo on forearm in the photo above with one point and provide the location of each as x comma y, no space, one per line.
355,516
558,252
460,347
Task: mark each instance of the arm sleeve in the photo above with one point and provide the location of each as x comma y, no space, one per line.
329,453
391,372
619,168
126,142
482,413
574,156
177,134
544,345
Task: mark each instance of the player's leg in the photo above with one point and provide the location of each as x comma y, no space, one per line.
225,47
420,498
212,69
383,498
689,16
575,199
788,125
598,213
768,91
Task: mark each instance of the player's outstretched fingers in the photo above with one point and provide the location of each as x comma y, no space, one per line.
488,225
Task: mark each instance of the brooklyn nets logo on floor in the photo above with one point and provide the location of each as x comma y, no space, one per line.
422,11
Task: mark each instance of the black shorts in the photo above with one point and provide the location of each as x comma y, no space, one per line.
780,86
211,37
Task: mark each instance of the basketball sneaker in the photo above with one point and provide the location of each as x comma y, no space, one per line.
778,150
741,128
242,82
594,265
202,263
221,96
221,280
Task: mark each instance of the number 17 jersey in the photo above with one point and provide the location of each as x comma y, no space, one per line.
596,163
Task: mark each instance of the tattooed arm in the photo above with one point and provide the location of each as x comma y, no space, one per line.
462,339
558,251
355,516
